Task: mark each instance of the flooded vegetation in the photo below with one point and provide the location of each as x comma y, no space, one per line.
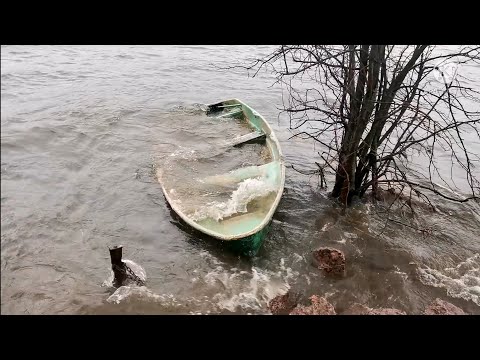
85,130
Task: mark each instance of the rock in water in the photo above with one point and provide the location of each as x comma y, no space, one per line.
331,261
282,304
440,307
320,306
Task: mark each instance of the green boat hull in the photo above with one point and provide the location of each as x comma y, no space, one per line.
243,233
250,245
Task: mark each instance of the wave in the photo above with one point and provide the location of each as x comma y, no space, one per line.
228,289
247,191
462,281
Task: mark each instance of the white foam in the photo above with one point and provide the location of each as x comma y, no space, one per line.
248,290
462,281
297,258
402,274
230,289
137,269
254,294
247,191
326,226
307,278
125,292
143,294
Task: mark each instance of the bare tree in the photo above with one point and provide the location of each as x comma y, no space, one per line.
373,107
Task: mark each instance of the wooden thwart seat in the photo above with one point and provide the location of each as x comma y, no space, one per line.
253,137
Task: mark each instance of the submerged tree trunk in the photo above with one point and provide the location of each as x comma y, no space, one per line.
350,176
370,104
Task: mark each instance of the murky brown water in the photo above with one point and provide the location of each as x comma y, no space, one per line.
82,130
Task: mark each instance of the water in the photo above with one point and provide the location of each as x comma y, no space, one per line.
83,131
198,178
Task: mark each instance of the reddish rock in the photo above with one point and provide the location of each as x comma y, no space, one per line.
383,311
357,309
282,304
319,306
440,307
332,261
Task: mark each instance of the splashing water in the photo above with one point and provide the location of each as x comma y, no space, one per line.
93,143
229,289
184,173
247,191
462,281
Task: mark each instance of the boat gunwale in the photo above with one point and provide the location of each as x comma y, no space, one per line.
270,135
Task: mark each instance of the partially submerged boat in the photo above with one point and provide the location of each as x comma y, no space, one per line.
245,229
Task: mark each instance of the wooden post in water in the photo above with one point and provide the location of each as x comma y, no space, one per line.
118,266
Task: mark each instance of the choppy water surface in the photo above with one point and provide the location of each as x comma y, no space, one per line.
84,129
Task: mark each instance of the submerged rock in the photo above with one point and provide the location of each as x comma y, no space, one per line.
319,306
282,304
440,307
331,261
